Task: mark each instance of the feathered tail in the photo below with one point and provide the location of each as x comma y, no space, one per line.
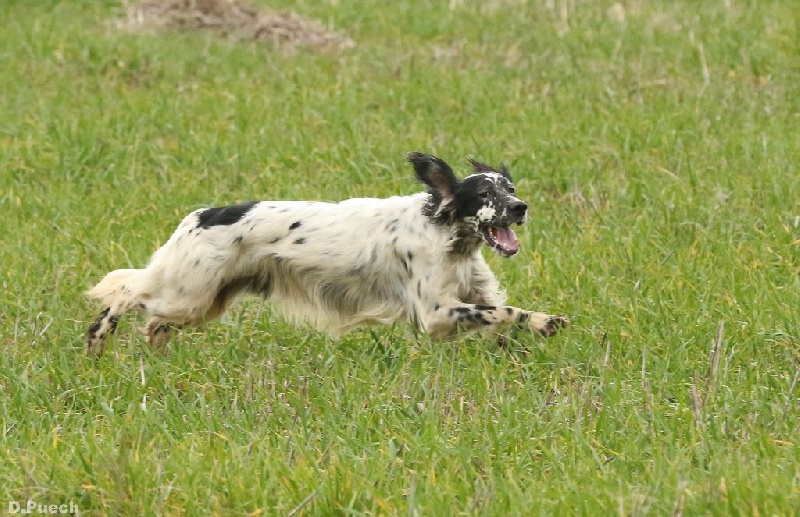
117,289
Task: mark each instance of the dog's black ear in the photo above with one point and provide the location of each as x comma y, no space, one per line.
435,173
482,167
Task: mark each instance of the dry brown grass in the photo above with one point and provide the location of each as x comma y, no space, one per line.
235,19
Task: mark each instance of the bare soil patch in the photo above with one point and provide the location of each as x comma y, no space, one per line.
234,19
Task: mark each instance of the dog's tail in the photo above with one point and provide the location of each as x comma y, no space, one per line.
118,292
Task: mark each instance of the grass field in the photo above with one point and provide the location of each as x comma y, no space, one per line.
656,142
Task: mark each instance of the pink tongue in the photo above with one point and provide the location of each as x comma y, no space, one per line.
506,238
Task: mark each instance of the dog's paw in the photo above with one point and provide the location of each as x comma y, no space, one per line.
554,324
546,324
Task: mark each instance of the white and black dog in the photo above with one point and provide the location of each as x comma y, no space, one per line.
338,265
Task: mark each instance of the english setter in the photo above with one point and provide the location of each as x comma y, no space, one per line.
338,265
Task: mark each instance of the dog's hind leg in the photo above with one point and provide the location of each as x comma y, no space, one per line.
105,324
119,292
160,331
162,327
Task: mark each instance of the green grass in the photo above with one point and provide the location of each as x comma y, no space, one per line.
660,159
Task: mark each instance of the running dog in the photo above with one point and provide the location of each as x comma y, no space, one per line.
340,265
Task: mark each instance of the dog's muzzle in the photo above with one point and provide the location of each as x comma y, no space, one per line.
500,237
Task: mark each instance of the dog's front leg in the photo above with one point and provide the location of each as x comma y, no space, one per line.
444,321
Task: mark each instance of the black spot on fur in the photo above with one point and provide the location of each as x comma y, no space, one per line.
301,240
480,317
238,239
295,224
410,256
224,216
436,306
485,307
523,317
405,265
509,311
97,323
273,241
473,317
460,310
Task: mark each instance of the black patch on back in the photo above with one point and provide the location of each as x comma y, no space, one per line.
295,224
224,216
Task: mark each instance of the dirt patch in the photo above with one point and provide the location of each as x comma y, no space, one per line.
234,19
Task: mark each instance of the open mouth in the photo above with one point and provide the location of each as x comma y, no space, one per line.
502,240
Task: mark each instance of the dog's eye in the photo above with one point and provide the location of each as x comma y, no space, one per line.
512,190
484,195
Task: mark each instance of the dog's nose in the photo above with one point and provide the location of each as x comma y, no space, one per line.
517,208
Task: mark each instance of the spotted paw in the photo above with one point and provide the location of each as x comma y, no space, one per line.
545,324
552,324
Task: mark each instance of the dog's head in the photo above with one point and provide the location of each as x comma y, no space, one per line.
481,207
